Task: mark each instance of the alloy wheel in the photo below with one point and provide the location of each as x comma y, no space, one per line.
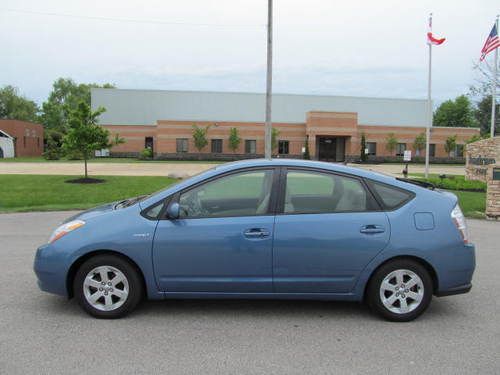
106,288
401,291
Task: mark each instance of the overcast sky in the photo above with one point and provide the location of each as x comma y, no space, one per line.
360,48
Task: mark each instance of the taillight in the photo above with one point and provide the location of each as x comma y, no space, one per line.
458,218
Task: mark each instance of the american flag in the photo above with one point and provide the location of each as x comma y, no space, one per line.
491,43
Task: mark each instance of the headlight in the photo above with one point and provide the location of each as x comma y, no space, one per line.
65,229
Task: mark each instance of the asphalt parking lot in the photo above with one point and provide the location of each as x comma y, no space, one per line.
45,334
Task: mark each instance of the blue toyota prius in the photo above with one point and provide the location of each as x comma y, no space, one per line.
266,229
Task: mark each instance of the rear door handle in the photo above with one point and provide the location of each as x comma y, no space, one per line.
372,229
256,233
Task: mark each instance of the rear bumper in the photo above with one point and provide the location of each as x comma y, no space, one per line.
456,290
455,274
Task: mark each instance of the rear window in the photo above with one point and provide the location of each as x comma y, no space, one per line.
391,197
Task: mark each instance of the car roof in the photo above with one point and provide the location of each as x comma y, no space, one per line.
300,163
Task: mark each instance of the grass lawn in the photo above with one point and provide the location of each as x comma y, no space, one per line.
49,193
473,203
39,159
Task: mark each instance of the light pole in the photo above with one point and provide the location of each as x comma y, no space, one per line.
269,80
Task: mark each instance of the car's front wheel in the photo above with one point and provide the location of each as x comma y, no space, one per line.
400,290
107,286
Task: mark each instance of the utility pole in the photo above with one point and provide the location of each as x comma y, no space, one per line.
269,80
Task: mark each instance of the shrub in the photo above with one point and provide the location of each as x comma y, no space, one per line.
147,153
456,183
363,155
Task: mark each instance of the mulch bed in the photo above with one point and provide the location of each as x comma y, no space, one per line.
84,180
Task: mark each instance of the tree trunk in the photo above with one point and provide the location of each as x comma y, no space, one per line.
85,161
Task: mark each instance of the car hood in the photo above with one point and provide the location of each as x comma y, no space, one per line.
93,212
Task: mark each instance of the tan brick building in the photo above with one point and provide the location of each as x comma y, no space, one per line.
28,136
332,125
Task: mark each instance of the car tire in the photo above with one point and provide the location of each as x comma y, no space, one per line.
108,286
400,290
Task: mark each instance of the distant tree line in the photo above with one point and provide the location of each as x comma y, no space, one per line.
54,113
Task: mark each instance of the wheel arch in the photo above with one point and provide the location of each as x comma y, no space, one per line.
70,277
421,261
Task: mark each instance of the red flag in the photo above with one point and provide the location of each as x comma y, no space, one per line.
431,39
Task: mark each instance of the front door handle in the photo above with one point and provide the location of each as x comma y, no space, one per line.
256,233
372,229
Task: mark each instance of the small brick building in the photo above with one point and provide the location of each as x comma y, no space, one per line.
28,136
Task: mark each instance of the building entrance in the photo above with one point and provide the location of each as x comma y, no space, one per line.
331,149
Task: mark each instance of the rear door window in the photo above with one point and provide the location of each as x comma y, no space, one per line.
311,192
391,197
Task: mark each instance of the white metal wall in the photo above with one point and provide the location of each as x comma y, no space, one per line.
145,107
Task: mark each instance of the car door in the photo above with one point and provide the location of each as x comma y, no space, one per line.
328,229
222,240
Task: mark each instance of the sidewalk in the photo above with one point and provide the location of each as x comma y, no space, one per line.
181,169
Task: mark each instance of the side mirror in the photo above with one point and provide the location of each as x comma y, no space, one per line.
173,211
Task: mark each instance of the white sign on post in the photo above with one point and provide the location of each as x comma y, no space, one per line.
407,155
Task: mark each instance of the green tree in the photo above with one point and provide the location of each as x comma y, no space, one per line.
450,144
363,155
53,139
64,98
200,137
14,106
234,139
274,138
84,135
455,113
391,143
307,154
472,139
483,115
419,143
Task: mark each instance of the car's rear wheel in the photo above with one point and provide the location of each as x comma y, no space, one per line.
400,290
107,286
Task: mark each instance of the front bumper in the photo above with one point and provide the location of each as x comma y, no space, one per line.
50,272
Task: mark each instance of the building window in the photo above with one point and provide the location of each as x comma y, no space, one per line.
400,149
459,151
283,147
372,148
182,144
432,150
148,142
250,146
24,141
217,146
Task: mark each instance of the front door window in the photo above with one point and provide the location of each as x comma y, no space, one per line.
240,194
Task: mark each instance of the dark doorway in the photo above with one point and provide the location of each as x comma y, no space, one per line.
148,143
1,153
331,149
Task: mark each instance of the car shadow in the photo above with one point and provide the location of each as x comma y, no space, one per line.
251,309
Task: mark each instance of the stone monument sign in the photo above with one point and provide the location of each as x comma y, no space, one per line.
483,163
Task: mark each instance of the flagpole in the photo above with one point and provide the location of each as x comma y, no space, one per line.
494,90
429,108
